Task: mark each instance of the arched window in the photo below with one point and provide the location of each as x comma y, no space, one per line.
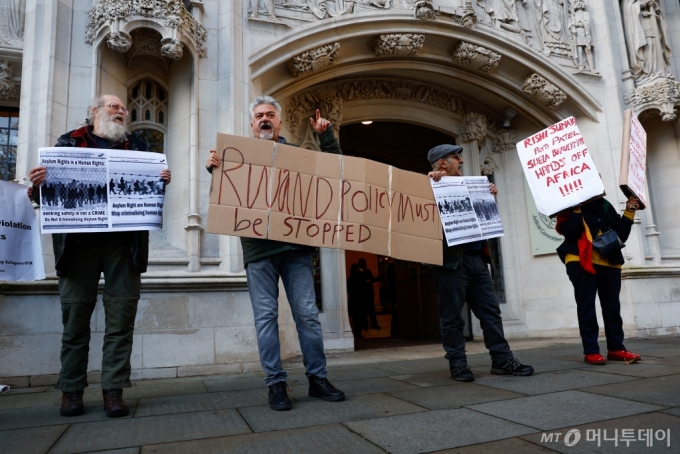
148,105
9,130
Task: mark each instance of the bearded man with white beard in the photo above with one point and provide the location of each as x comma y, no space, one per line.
267,261
80,258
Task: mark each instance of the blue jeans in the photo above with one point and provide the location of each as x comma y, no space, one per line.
469,282
295,269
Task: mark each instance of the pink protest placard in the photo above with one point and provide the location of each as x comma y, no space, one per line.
632,177
559,168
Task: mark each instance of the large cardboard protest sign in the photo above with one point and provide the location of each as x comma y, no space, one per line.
559,168
20,252
632,177
273,191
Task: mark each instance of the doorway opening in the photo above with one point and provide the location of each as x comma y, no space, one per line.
391,303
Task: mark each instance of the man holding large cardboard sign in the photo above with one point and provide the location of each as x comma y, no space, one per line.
267,260
464,277
559,168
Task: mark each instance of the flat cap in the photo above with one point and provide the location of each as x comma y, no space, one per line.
440,151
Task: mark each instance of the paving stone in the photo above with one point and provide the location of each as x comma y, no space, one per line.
562,409
35,441
356,387
37,389
555,381
508,446
436,430
674,361
659,352
94,394
9,401
442,377
134,450
316,412
644,369
330,439
356,373
235,383
453,396
416,366
673,411
656,421
200,402
49,415
658,390
150,430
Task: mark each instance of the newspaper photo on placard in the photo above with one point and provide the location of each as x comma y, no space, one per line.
559,168
20,252
456,211
93,190
485,206
633,175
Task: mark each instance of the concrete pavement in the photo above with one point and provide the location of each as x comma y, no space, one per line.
398,400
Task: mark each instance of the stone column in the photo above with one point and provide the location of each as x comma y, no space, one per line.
473,131
337,332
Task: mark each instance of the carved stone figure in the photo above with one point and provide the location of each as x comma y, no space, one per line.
268,6
476,57
172,48
119,41
581,41
423,10
544,92
662,94
403,44
554,28
506,141
534,24
649,51
170,14
7,86
146,39
473,127
313,60
12,13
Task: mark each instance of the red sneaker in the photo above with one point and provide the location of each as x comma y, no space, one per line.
595,359
623,355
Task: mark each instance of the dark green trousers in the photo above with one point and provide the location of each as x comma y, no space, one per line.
91,255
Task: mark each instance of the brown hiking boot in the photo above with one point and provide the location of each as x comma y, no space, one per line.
72,404
114,405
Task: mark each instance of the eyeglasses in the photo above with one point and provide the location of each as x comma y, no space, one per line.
117,107
456,156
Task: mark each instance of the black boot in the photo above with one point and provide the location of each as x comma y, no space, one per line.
278,397
322,389
72,404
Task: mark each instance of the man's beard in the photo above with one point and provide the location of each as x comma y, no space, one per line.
267,134
111,130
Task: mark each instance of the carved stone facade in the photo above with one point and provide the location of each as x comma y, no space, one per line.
663,94
400,44
7,86
581,40
544,92
403,90
12,14
313,60
473,127
119,41
476,57
170,14
506,141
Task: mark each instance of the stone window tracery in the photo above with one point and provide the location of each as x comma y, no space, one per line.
148,106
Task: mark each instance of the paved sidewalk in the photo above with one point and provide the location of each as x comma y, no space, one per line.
401,401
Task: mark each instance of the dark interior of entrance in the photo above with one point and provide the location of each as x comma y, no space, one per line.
404,299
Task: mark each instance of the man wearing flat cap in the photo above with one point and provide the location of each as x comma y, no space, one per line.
464,276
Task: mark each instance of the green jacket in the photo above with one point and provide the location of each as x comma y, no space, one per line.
257,249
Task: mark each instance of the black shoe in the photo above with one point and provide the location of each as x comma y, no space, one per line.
511,367
278,397
72,404
114,405
322,389
462,373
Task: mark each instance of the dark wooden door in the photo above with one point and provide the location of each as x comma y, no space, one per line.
417,302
